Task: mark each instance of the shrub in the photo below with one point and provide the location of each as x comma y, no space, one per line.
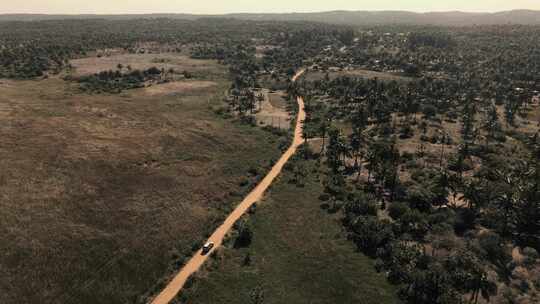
465,220
247,260
406,131
371,233
429,111
397,210
420,198
493,249
531,256
252,209
245,234
324,197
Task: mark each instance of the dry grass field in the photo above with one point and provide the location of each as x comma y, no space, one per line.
102,195
92,65
360,73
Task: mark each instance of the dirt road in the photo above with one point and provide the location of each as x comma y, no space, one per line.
174,287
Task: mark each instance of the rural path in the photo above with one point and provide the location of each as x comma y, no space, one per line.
175,286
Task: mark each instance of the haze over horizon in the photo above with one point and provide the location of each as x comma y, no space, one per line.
245,6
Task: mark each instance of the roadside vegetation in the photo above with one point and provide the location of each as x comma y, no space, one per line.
290,250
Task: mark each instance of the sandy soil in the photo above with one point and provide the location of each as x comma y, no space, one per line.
516,255
175,286
271,115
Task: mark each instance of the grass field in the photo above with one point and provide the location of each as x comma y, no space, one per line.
101,196
178,62
360,73
298,255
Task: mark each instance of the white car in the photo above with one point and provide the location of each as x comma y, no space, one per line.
207,247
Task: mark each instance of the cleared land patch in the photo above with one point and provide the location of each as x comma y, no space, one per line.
273,110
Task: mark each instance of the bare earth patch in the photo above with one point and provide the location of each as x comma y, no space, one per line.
273,111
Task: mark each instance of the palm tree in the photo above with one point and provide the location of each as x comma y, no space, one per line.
492,124
482,286
337,150
469,275
323,128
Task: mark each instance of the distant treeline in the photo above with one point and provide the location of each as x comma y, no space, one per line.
30,49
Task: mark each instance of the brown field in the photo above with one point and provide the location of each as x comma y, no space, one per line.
92,65
179,87
100,195
278,100
531,124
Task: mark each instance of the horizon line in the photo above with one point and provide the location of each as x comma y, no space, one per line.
270,13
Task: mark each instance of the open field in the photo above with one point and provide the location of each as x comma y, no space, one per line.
277,100
360,73
179,87
298,255
178,62
530,124
102,195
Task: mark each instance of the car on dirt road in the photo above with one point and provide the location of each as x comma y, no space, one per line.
207,247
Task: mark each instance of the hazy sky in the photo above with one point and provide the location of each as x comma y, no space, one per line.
228,6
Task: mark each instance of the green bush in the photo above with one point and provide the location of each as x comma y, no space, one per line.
397,209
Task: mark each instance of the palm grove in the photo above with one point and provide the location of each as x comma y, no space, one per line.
436,174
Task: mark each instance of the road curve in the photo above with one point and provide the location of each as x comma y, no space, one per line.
174,287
